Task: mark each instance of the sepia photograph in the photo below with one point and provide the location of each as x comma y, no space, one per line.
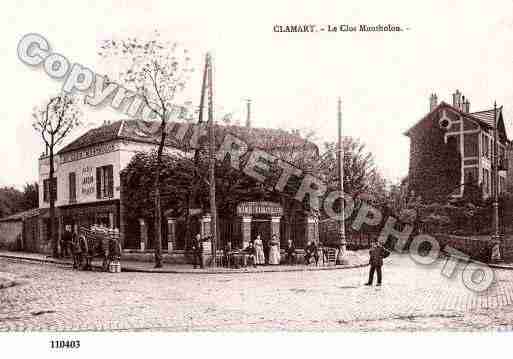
326,171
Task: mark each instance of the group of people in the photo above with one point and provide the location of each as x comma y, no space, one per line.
265,252
76,247
262,253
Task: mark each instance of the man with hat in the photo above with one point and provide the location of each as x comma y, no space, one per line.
376,253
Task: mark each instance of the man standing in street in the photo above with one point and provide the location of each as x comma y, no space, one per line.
376,253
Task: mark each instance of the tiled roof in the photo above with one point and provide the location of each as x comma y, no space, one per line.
21,215
263,138
94,136
483,118
487,116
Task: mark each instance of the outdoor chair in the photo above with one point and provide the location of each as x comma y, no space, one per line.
329,256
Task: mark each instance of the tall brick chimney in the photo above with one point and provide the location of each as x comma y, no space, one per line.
456,99
433,102
466,106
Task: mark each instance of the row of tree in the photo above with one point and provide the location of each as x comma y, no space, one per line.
13,200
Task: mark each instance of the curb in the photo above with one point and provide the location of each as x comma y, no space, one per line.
500,266
35,260
248,271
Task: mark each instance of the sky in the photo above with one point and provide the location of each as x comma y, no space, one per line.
293,79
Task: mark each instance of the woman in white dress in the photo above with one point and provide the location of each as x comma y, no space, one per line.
274,251
259,248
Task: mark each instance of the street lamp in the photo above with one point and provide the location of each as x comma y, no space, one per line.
340,160
496,238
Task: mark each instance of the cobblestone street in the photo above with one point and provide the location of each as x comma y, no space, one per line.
413,297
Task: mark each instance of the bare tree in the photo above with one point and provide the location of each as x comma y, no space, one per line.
54,121
157,71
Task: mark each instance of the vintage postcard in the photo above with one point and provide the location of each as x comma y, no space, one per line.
255,167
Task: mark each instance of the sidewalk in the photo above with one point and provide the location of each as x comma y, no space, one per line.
355,259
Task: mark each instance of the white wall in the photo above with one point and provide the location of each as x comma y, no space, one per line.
85,168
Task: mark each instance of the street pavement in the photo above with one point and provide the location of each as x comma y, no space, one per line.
413,297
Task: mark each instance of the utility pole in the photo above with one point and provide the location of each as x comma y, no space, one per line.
340,161
211,159
191,197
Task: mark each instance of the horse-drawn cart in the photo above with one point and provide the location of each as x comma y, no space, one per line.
97,242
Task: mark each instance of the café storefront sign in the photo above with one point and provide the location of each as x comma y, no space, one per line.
259,208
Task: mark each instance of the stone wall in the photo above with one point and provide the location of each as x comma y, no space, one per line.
478,249
11,233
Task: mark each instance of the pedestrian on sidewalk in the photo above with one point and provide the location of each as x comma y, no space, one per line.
376,254
86,257
67,238
274,250
197,251
250,254
76,251
290,252
259,249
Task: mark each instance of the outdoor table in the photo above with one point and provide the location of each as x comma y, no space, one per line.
240,259
230,259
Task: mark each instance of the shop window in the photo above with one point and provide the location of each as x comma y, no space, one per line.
104,182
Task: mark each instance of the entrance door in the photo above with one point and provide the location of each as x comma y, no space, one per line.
262,227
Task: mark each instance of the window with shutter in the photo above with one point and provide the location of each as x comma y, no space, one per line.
46,191
105,182
98,182
72,187
110,181
49,186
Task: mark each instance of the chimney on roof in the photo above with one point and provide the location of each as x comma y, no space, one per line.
248,112
456,99
466,106
433,102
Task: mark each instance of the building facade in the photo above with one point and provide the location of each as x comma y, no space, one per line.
451,151
88,187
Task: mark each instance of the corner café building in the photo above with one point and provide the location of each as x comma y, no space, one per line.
88,189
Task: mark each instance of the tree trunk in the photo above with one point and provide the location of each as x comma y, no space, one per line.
51,230
158,221
188,236
158,207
